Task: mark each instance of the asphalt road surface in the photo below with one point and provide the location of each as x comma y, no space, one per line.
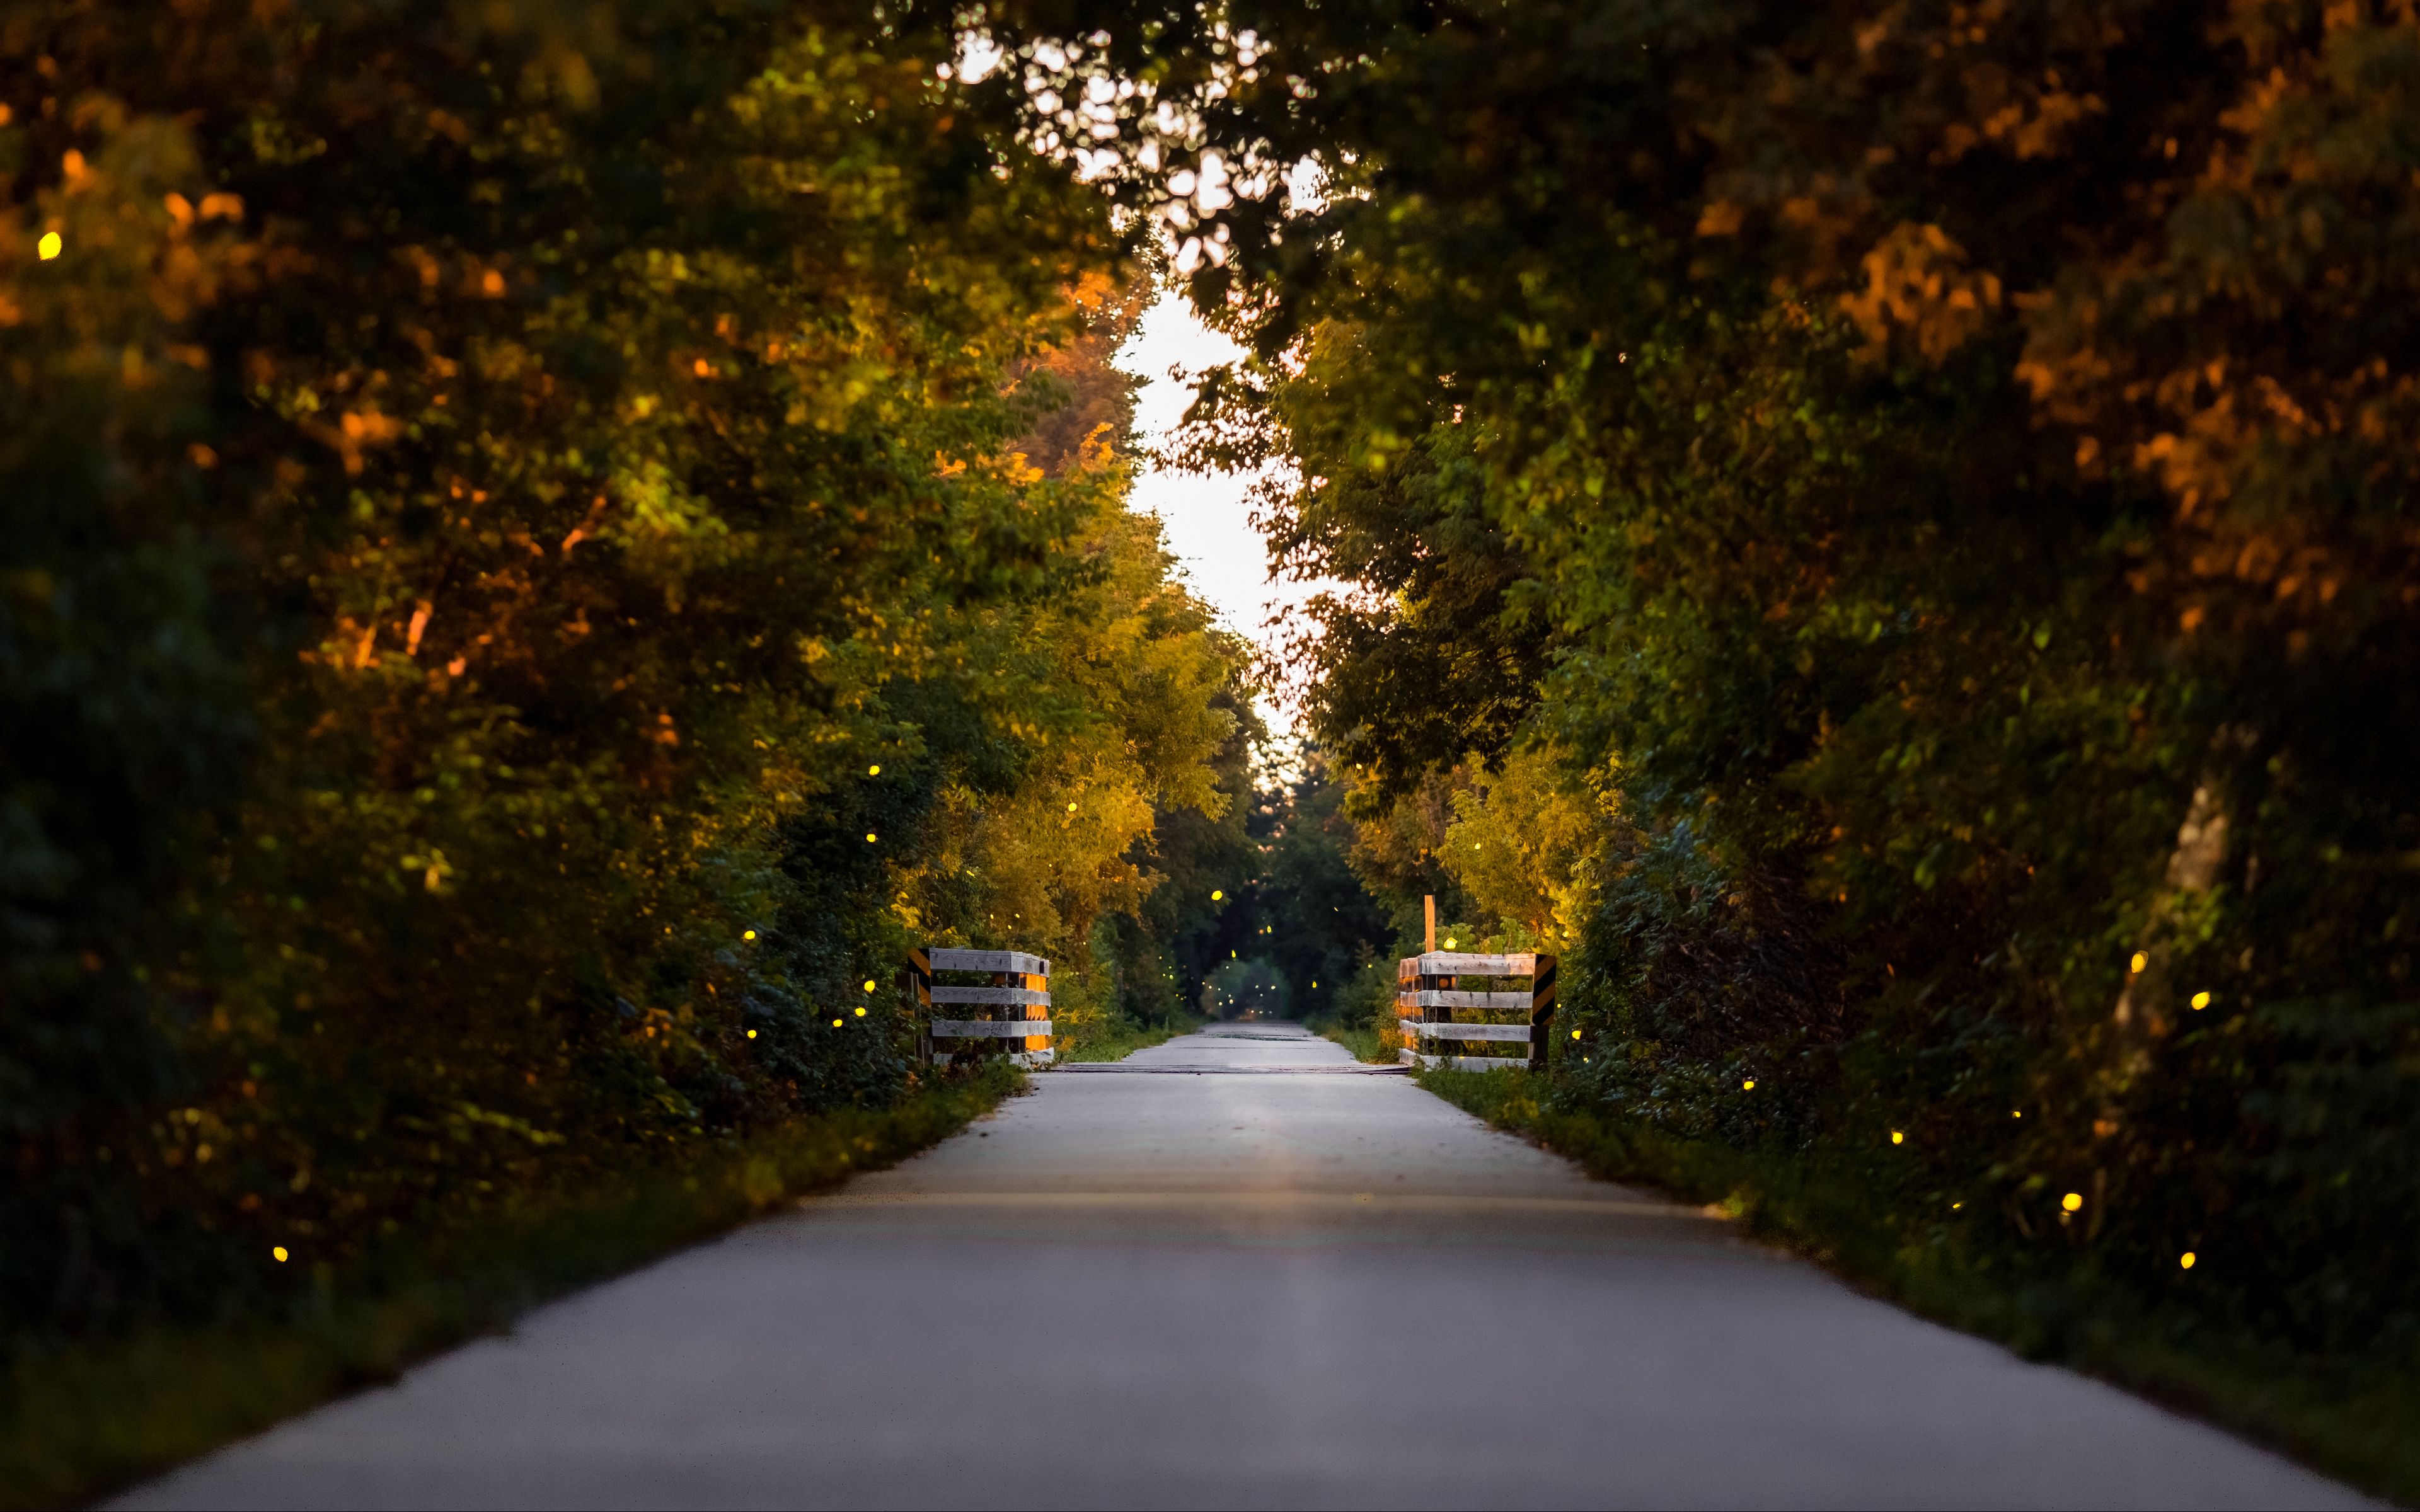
1235,1271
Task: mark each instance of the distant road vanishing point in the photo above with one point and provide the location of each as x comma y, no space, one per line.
1237,1270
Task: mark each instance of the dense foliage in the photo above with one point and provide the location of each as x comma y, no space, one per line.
1305,933
546,541
1933,483
544,544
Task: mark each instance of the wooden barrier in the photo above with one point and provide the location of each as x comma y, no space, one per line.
1016,1002
1431,988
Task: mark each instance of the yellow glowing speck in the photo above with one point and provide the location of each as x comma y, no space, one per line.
47,249
875,770
2139,962
1897,1138
2072,1201
869,837
747,935
2200,1001
1955,1206
2016,1113
1749,1086
277,1252
869,985
835,1024
1215,895
861,1013
1450,942
751,1034
2185,1262
1575,1034
1071,807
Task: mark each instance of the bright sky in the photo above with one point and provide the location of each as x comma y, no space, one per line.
1207,517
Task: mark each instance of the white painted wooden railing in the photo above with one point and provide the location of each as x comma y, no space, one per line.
1017,1002
1430,990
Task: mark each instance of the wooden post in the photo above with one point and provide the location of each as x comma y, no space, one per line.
1424,982
1035,1010
1542,1009
919,986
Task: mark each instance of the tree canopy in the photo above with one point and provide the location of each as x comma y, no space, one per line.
1936,480
546,544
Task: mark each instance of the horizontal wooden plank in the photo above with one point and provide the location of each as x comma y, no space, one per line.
957,960
1501,1033
988,1028
995,996
1462,964
1468,1062
1439,997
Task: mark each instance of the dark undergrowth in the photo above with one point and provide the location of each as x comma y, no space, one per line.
77,1420
2351,1422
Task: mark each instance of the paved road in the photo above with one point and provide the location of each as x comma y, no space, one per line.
1235,1271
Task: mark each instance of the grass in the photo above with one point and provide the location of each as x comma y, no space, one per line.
80,1419
1123,1040
1361,1039
2360,1425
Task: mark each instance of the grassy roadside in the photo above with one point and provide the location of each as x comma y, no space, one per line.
2363,1428
1363,1042
80,1420
1125,1039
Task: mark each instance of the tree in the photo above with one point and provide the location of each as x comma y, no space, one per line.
520,559
1951,464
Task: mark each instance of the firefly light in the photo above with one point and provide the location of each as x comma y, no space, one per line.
2072,1202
